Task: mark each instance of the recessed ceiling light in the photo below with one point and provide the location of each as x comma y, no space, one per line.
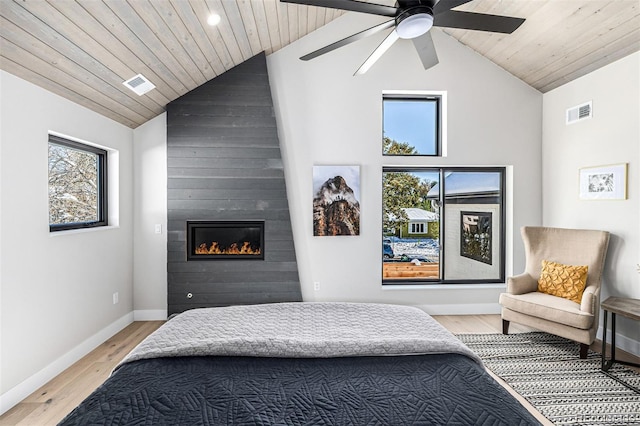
213,19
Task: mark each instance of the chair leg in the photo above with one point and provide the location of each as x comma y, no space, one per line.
584,350
505,326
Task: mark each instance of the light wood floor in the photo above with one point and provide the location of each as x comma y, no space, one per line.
49,404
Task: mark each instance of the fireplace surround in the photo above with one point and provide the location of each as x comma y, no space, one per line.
224,163
225,240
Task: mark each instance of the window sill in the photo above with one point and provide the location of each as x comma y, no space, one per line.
392,287
82,231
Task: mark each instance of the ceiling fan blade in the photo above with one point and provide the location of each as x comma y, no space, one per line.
376,54
350,39
350,5
426,50
478,21
446,5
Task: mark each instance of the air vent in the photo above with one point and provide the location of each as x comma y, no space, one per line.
580,112
139,84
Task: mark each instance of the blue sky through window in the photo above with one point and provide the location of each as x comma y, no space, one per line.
412,121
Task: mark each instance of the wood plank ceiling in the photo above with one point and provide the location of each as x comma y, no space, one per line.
84,49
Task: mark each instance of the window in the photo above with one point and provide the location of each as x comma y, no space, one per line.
443,225
412,124
417,228
77,185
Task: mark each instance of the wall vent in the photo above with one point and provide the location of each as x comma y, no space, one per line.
139,84
580,112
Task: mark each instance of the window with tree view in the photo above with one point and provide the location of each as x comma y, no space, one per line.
77,185
442,225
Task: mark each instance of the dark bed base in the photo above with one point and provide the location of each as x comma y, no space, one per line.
402,390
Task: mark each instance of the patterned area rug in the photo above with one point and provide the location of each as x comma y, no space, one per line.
547,371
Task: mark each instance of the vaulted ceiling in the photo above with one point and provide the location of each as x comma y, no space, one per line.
84,49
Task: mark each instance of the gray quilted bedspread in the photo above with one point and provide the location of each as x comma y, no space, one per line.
301,364
301,330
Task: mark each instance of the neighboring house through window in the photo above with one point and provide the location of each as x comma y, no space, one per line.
444,225
418,219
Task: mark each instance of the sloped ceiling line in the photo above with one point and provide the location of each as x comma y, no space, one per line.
83,50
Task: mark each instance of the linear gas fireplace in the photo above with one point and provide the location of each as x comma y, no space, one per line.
217,240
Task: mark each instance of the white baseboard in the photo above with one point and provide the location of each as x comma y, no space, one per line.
150,315
16,394
462,309
622,342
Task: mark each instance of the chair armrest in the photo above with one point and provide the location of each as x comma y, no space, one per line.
590,300
521,284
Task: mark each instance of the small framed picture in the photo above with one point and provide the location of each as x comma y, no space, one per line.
604,182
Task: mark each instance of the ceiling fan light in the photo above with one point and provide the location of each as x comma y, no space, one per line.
414,26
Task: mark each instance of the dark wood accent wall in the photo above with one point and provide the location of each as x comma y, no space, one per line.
224,163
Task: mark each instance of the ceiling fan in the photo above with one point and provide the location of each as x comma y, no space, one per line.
412,19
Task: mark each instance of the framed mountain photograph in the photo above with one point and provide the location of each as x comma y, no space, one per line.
336,205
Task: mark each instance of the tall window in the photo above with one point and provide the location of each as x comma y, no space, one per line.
412,125
77,185
443,225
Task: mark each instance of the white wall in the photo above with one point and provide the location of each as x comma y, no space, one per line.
612,136
327,116
56,290
150,210
458,266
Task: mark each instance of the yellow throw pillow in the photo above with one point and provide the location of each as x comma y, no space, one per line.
563,280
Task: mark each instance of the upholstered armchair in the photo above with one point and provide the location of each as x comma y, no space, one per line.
524,304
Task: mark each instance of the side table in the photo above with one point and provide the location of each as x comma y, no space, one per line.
629,308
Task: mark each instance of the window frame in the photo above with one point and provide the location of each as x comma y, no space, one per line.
443,227
440,101
102,184
417,228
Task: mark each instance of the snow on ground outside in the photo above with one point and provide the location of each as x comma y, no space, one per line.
424,249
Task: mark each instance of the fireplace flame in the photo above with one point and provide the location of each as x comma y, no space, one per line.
234,248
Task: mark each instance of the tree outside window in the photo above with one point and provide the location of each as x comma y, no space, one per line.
77,185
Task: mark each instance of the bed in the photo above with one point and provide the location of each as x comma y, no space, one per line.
301,364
